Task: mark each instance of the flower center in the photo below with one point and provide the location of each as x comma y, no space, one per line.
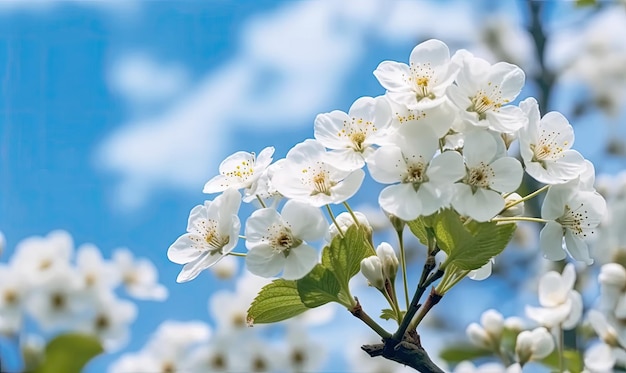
102,322
282,240
243,170
10,296
548,148
357,139
207,238
479,176
574,219
319,178
483,102
58,301
422,77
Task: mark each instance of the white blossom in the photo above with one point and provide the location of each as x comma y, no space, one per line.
533,345
212,232
545,146
139,276
278,242
422,83
478,194
307,175
482,92
240,170
351,136
572,216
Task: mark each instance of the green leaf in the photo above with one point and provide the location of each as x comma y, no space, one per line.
277,301
583,3
318,287
388,314
68,353
489,240
419,229
572,360
458,353
450,233
344,254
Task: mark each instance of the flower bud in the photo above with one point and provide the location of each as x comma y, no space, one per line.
516,210
613,274
533,345
345,221
514,324
478,336
389,261
493,323
371,268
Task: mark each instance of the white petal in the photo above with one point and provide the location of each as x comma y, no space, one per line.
346,159
257,225
299,262
479,147
447,167
576,311
600,358
557,197
392,76
509,79
401,200
387,165
481,205
433,51
551,290
217,184
348,187
508,174
182,250
551,241
192,269
506,119
577,247
263,261
328,129
307,222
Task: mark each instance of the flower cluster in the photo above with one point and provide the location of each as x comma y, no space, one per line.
440,137
62,289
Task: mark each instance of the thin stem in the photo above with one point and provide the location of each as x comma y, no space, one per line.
392,303
356,221
261,201
357,311
403,264
561,343
431,301
243,255
519,218
526,198
332,217
242,237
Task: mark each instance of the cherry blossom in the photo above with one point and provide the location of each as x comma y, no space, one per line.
308,175
277,242
482,92
212,232
422,83
478,194
351,136
239,170
545,146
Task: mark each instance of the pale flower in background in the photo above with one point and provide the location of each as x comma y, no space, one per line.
38,258
488,333
139,276
212,232
96,273
533,345
562,306
599,358
110,319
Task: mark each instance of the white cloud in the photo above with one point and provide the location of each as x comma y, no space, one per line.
142,81
290,64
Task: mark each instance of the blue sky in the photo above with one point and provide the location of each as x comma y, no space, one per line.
113,115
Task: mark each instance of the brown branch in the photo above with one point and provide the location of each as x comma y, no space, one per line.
408,352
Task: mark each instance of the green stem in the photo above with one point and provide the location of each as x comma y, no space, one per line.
332,217
356,221
403,264
358,312
519,218
392,303
431,301
561,343
238,254
261,201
